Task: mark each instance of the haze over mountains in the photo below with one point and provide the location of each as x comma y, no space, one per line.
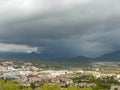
114,56
40,56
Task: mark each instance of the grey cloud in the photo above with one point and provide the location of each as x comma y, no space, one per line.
81,28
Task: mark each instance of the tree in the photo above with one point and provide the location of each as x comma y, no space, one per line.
73,88
50,87
116,89
32,86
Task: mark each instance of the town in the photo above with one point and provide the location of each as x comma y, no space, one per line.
26,74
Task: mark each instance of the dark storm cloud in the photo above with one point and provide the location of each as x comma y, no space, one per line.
75,27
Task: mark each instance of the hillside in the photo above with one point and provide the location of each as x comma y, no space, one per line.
114,56
47,58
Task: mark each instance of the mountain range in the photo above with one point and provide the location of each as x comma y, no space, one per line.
114,56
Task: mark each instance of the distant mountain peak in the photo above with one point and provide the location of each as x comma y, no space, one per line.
114,56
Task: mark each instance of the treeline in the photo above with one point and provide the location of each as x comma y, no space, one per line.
12,85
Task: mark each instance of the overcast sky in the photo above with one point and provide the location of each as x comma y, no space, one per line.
63,27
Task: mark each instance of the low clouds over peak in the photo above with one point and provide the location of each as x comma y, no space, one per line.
75,27
17,48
